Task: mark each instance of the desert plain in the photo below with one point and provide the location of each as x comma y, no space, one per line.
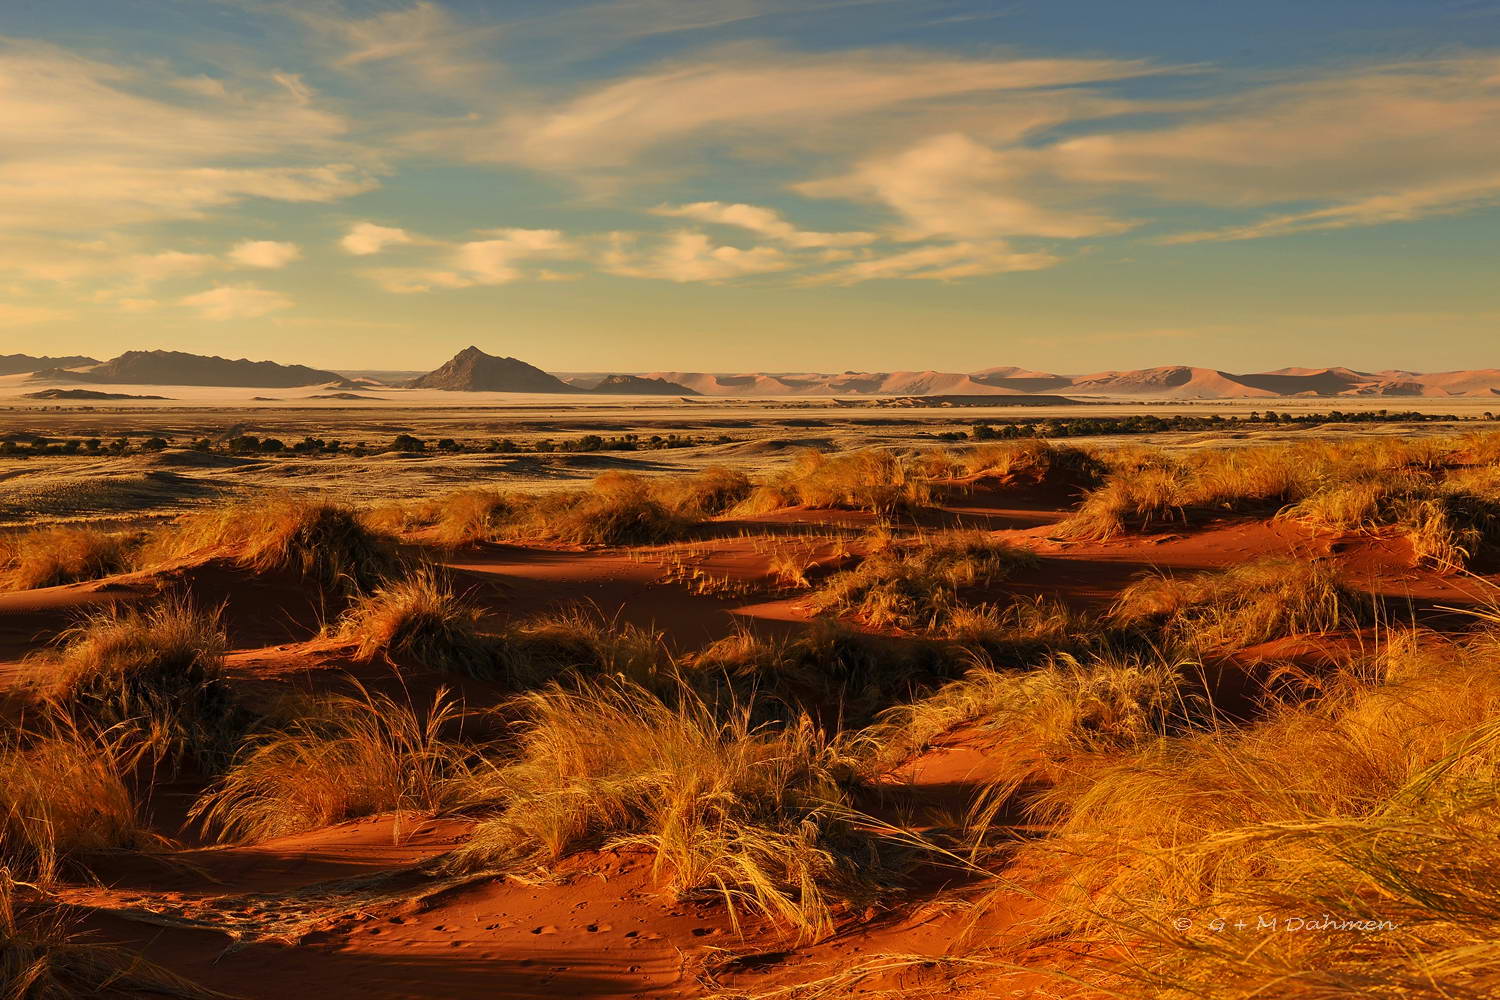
752,698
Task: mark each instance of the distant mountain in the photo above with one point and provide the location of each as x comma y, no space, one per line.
472,370
178,368
635,385
15,364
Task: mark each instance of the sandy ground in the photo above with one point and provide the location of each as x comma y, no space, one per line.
340,912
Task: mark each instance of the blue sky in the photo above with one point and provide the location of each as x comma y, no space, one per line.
754,184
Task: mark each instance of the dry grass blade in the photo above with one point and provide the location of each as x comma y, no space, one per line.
757,815
353,756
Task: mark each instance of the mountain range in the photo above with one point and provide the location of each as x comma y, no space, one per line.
473,370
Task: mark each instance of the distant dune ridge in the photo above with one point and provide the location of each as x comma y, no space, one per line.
473,370
1166,382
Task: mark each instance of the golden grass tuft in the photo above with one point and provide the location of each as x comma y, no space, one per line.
351,756
418,618
755,815
63,796
915,585
709,493
579,642
1036,724
877,480
620,509
1369,818
1244,605
324,541
155,674
50,557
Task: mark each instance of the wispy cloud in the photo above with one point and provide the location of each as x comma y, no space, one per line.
764,221
229,302
265,254
366,238
938,262
90,145
688,256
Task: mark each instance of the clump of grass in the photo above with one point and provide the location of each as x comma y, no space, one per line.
756,815
418,618
836,674
1369,818
876,480
63,796
1246,604
916,585
580,643
50,557
1449,523
1030,462
1036,724
1024,631
324,541
1130,499
707,493
471,516
351,756
157,674
40,960
620,509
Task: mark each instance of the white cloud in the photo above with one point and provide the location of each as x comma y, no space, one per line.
506,255
367,238
954,186
689,256
236,302
90,145
268,254
753,98
423,42
765,221
939,262
497,261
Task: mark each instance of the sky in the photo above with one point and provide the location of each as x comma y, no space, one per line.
771,185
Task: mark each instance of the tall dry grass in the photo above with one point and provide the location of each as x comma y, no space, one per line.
877,480
154,675
915,585
64,797
418,618
1346,847
755,815
322,540
351,756
50,557
1246,604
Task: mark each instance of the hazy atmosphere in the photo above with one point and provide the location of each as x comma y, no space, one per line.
753,184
